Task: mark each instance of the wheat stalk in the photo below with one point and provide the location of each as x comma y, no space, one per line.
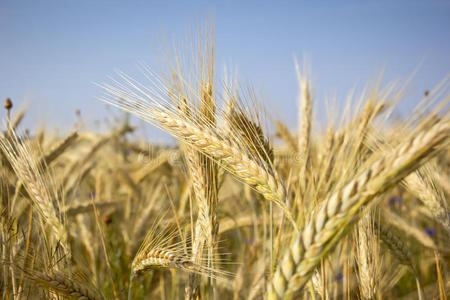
202,169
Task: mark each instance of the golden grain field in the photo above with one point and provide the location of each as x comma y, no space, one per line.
356,208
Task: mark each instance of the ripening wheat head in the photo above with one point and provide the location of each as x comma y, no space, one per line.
37,181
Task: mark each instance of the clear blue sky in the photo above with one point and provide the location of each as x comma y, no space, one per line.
52,51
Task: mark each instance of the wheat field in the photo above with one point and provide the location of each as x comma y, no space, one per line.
241,207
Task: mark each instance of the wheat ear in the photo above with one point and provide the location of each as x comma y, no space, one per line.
60,147
158,251
161,258
64,286
368,257
421,184
284,133
37,183
395,245
338,211
305,113
226,151
401,252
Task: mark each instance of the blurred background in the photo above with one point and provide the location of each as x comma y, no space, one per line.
52,52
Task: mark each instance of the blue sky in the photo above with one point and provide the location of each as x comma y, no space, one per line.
51,52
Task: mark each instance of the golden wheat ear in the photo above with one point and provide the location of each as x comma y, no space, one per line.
164,248
340,210
368,256
64,285
150,104
37,181
51,279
